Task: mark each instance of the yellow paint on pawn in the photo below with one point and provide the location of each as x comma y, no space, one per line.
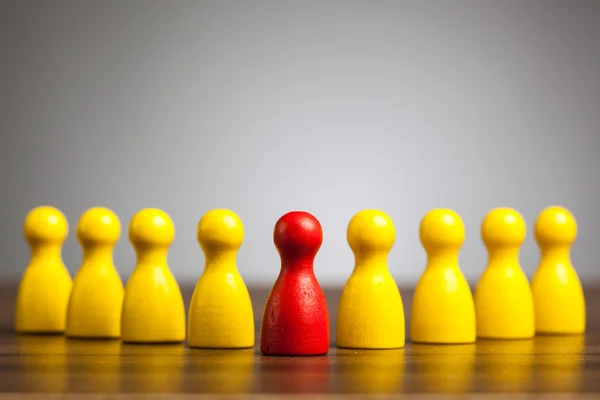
97,296
371,313
557,292
153,309
443,311
45,287
503,299
220,314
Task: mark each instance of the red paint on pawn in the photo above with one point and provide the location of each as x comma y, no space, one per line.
295,320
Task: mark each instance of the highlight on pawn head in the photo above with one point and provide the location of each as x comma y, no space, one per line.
555,226
298,234
503,227
442,228
151,227
98,225
45,224
220,229
371,230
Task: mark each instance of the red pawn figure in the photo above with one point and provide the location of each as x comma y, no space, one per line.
295,321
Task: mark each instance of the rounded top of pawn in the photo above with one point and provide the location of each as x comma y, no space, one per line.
151,227
555,226
220,229
503,227
371,230
46,224
297,234
441,228
99,225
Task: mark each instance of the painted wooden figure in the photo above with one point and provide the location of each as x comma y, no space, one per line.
503,300
443,311
97,296
43,294
295,320
557,292
370,313
220,314
153,310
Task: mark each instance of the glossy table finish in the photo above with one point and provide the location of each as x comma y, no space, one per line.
54,367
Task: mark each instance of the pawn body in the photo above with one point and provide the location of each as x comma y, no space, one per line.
442,311
557,292
295,320
370,313
503,299
153,309
45,287
97,295
220,314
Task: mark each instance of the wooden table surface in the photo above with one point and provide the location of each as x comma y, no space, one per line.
52,367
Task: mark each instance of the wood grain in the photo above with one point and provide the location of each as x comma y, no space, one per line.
52,367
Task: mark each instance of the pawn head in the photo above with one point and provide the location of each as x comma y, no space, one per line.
298,235
442,228
555,226
503,227
371,230
151,227
98,225
45,224
220,229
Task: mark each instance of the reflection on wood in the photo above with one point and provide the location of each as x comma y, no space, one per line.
559,362
94,366
294,374
42,366
442,368
370,371
505,365
151,368
223,371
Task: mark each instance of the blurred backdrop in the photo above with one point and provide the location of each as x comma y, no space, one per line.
325,106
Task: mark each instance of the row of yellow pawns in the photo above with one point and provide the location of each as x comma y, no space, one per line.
150,308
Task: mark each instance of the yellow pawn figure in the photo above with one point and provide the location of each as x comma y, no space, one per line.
371,313
503,300
97,295
443,311
557,292
153,310
43,294
220,314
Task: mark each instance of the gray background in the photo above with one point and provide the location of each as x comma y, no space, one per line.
329,107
